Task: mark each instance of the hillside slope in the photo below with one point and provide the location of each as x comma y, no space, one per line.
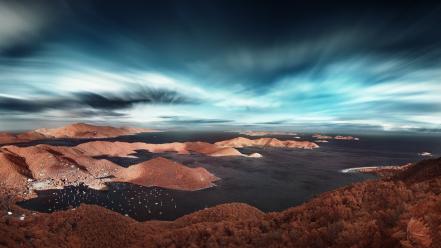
402,211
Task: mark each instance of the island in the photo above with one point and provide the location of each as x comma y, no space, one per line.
240,142
74,131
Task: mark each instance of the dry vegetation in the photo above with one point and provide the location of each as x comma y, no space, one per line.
402,211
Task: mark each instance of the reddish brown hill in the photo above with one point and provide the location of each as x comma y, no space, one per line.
77,130
55,167
82,130
8,138
113,149
375,213
321,137
166,173
93,226
340,137
82,227
212,149
266,133
31,135
266,142
384,171
43,161
14,171
424,170
124,149
224,212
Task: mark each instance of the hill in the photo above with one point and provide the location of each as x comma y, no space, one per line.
399,211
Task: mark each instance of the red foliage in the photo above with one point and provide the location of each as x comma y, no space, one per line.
402,211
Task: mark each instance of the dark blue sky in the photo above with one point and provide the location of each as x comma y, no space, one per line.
221,64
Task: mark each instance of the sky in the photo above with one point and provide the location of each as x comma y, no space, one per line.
288,65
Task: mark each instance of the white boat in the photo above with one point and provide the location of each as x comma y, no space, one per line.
425,154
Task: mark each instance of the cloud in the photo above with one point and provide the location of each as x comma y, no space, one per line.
21,23
9,104
196,65
427,130
82,113
278,122
189,120
73,102
128,99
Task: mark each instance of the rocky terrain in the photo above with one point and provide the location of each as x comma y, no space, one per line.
124,149
265,133
82,130
322,138
403,210
339,137
384,171
9,138
41,167
55,167
240,142
168,174
76,131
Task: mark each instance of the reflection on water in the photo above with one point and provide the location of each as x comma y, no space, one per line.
281,179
